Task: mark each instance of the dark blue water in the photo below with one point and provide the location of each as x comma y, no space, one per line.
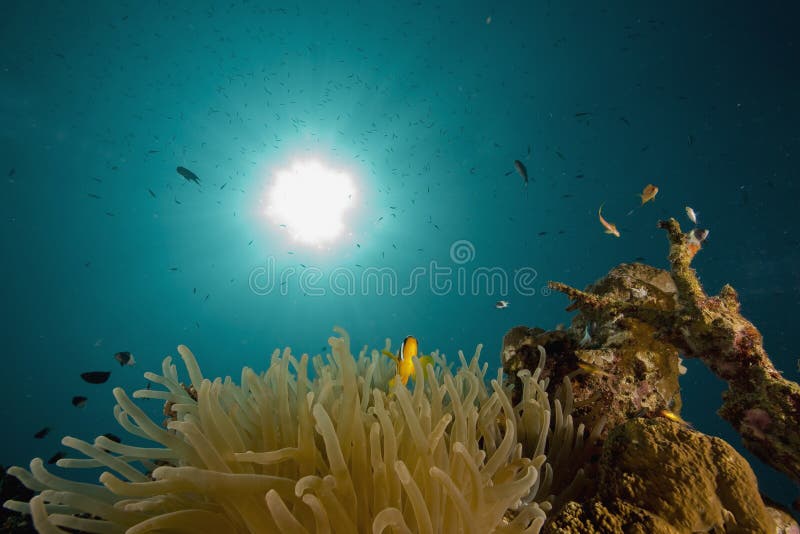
426,105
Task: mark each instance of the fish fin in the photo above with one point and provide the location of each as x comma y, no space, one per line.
390,355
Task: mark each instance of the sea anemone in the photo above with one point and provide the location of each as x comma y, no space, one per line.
336,450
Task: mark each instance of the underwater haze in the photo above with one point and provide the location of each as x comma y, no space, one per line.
143,146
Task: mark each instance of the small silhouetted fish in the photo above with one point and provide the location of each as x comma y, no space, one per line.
151,193
152,151
92,195
623,119
521,170
188,175
250,243
582,114
206,297
79,401
542,233
223,186
174,269
639,258
743,195
177,201
96,377
124,358
109,214
112,437
56,457
559,154
42,433
12,171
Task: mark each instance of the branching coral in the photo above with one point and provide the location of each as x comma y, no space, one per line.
333,452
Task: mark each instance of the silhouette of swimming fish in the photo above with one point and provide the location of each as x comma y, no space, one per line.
188,175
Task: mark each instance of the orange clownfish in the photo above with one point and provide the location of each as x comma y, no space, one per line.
648,193
409,348
611,228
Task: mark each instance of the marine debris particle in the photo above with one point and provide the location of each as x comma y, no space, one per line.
760,403
96,377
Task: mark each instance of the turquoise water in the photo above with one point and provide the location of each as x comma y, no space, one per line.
426,106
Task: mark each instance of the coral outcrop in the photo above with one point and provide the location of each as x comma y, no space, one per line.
660,477
761,405
617,367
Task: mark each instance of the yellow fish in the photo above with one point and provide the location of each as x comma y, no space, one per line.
672,416
404,359
648,193
611,228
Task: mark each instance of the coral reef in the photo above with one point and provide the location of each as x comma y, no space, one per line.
701,485
760,404
336,451
630,371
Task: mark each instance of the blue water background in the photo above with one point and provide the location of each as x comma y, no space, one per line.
427,105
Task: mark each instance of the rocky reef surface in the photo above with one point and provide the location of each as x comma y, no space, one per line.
652,471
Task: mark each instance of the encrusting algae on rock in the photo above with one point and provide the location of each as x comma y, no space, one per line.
337,452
